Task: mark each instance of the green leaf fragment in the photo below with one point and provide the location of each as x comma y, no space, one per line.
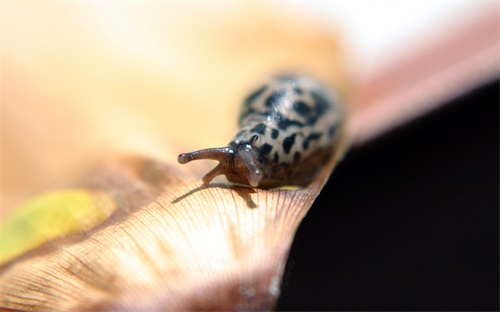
50,216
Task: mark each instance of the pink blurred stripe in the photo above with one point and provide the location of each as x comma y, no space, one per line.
463,59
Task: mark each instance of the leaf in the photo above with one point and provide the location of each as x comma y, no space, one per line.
170,242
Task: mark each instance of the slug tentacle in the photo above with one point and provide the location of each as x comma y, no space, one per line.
254,173
219,169
216,153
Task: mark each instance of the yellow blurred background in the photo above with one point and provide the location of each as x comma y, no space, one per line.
85,81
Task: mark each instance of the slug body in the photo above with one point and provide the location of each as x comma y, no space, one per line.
289,127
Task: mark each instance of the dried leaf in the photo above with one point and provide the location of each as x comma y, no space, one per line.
171,243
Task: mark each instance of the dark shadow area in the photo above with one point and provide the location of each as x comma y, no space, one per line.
242,191
409,221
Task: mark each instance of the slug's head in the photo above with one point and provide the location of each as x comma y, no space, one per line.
238,162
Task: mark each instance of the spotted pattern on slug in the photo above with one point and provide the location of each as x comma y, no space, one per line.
288,129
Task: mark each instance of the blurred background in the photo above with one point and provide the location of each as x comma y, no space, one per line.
408,221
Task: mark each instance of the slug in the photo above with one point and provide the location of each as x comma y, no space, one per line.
288,129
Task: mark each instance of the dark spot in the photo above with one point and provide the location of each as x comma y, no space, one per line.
240,133
288,143
245,114
296,156
322,104
276,97
298,90
252,112
301,108
265,149
254,95
276,157
312,136
313,112
283,124
331,131
260,129
286,78
253,139
274,133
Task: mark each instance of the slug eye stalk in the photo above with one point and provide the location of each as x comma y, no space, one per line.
217,153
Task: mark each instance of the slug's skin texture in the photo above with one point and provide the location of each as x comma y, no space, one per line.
289,127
